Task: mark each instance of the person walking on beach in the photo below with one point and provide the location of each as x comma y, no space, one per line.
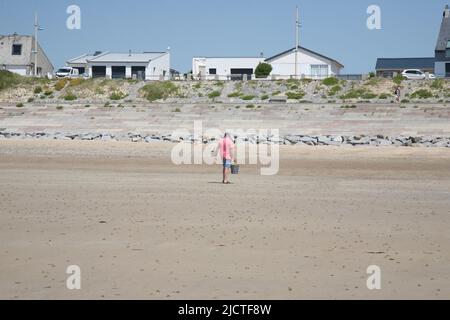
226,148
397,93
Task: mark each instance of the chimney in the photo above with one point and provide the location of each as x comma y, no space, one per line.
446,12
129,53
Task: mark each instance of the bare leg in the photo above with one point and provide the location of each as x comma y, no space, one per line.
224,174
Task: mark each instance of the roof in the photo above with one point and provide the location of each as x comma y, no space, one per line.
303,49
444,33
404,63
229,57
126,57
84,58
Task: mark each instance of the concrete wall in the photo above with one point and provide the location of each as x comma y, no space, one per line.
23,64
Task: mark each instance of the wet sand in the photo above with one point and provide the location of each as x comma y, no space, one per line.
140,227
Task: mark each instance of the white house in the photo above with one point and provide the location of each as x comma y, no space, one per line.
310,64
147,65
224,68
17,54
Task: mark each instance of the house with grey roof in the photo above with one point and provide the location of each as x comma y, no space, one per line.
442,52
17,54
145,66
439,64
388,67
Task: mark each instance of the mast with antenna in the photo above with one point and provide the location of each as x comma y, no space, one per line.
36,29
297,27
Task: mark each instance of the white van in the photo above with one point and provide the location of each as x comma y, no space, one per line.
67,72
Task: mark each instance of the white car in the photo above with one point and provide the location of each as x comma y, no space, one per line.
416,74
67,72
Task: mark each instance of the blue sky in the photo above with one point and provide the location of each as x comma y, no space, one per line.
232,27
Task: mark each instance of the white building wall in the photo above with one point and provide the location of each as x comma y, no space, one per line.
21,70
158,68
439,69
223,66
284,66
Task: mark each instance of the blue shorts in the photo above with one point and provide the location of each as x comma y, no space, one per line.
227,163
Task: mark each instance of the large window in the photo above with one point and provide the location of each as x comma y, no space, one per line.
447,50
213,71
16,49
319,70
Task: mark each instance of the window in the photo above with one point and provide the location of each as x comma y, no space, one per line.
319,70
16,49
212,71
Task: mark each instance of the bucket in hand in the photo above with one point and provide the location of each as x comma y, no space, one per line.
234,169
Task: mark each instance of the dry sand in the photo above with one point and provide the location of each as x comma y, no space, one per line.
176,233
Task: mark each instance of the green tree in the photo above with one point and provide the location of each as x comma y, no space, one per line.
263,70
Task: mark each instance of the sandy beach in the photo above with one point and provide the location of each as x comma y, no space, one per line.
140,227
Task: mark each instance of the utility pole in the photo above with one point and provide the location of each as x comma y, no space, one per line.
36,29
297,26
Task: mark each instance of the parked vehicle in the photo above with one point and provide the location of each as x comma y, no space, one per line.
67,72
416,74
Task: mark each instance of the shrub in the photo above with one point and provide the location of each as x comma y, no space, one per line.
59,107
248,97
234,95
331,81
198,85
398,79
30,100
264,97
37,90
177,110
422,94
60,84
9,79
117,95
158,90
48,93
358,93
371,74
369,95
87,105
383,96
335,89
75,82
348,106
405,101
214,94
263,70
219,83
19,105
250,106
437,84
70,97
295,95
